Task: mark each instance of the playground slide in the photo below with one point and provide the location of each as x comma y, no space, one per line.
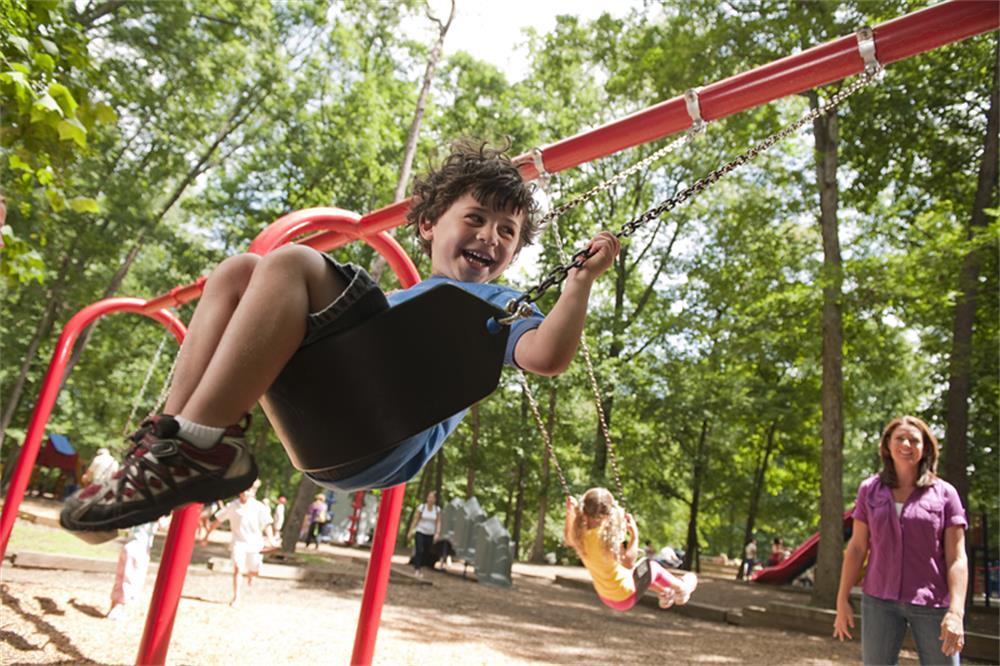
801,559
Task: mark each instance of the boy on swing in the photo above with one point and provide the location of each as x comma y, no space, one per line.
473,215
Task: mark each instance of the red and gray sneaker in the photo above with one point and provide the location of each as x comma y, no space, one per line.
161,473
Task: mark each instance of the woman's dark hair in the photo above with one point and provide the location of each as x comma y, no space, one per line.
927,470
485,173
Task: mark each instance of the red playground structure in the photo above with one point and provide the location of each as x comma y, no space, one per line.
331,227
800,559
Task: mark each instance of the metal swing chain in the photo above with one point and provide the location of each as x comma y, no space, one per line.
552,215
598,397
564,208
130,422
545,433
520,306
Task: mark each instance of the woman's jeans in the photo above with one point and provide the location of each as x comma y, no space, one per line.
883,625
422,556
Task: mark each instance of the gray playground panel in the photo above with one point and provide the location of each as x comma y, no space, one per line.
469,515
343,508
449,519
494,554
480,541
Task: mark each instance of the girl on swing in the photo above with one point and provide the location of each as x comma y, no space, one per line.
607,541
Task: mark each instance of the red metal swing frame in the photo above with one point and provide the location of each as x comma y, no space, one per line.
895,40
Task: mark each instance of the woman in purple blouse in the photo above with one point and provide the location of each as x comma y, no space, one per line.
911,525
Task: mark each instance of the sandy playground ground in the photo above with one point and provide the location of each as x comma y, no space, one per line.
56,617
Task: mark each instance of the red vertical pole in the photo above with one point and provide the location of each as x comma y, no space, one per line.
377,577
50,391
169,584
384,539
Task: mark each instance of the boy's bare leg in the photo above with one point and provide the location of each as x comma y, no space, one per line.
265,329
222,293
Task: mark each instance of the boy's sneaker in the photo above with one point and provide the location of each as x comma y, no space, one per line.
161,473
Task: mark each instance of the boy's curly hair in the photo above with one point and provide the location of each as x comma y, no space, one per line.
473,167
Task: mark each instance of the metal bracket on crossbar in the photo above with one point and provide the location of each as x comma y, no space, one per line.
543,176
866,48
694,110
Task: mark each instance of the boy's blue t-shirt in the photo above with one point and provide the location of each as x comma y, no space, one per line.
409,457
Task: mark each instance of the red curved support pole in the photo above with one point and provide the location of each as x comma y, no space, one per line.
169,585
387,526
50,390
377,576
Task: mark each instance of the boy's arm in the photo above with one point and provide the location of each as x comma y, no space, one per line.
549,349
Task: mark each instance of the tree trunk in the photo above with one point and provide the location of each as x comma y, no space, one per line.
438,476
691,558
297,514
538,547
599,469
42,330
418,113
424,487
379,264
14,398
508,507
831,544
758,483
518,509
955,452
470,479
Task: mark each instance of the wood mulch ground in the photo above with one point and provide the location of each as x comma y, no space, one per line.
56,617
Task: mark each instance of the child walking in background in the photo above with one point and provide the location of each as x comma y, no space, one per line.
607,541
133,563
472,216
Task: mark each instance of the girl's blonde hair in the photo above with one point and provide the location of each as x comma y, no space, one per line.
598,505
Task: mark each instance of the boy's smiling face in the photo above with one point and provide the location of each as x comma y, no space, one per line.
470,242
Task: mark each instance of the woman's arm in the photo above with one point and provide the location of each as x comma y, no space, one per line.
437,525
952,631
854,557
413,523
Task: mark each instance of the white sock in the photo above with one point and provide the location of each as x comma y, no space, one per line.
204,437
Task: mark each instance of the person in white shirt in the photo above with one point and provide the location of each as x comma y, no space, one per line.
279,514
249,520
749,560
426,526
133,562
101,469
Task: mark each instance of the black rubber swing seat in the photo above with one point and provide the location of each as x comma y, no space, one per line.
642,576
360,392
